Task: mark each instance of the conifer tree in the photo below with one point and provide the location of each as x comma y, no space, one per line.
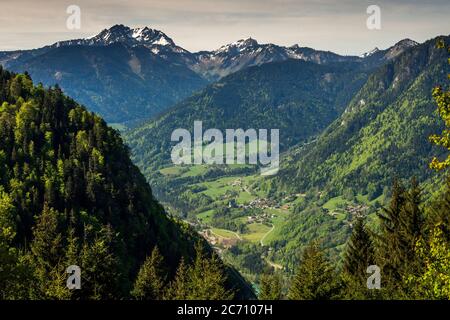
360,253
151,278
401,227
72,257
46,250
270,287
315,278
411,229
208,278
358,256
99,266
388,241
179,288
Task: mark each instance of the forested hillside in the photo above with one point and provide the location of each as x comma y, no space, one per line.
382,133
299,98
70,195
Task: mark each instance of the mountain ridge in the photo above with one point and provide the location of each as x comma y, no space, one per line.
403,85
151,71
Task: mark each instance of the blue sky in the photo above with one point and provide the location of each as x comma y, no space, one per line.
338,26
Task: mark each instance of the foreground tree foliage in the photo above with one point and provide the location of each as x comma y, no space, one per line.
271,287
401,226
70,195
315,278
360,254
151,279
205,279
411,244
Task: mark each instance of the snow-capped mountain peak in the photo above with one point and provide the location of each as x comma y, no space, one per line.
369,53
239,45
248,42
122,34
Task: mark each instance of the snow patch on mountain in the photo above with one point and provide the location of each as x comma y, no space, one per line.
369,53
144,36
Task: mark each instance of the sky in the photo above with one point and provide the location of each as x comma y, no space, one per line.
195,25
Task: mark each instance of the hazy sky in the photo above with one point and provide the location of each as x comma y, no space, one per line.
338,25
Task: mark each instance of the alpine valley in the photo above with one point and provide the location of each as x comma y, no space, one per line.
354,183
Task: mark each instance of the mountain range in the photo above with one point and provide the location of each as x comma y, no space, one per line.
349,125
346,128
127,75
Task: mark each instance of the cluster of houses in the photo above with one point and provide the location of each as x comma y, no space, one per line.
261,218
259,203
355,210
358,211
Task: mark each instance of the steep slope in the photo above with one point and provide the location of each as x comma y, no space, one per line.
69,194
376,56
299,98
371,143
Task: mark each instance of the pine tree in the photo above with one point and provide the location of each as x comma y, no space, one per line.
46,250
412,225
72,257
358,256
401,227
100,275
360,253
388,241
151,278
179,288
208,278
270,287
315,278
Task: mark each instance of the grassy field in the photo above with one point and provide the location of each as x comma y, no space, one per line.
335,203
256,232
219,187
171,171
278,220
223,189
224,233
195,171
205,216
